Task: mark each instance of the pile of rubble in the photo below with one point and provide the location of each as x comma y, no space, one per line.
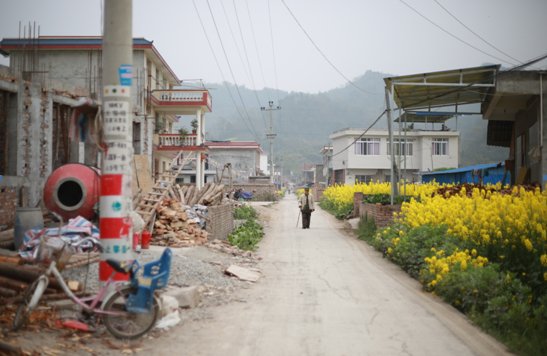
174,227
181,218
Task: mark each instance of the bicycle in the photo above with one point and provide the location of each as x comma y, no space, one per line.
128,312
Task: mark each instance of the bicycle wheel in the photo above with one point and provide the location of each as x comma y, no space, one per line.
124,324
25,307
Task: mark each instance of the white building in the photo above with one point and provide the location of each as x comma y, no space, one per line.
368,158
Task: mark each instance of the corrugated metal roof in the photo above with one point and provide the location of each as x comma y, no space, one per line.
466,169
421,117
445,88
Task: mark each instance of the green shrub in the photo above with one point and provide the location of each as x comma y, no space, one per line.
247,236
366,230
245,212
500,303
339,211
410,249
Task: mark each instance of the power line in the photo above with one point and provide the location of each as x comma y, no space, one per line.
476,34
220,69
255,43
361,135
451,34
273,51
232,72
233,36
323,54
248,63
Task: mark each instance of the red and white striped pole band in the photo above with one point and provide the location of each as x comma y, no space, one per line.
114,225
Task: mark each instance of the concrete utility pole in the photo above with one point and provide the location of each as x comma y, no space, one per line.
116,203
390,130
270,135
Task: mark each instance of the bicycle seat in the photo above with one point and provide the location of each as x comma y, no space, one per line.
120,266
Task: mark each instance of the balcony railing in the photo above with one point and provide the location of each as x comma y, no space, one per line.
176,140
181,100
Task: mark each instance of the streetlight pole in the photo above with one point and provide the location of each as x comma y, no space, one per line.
271,135
115,201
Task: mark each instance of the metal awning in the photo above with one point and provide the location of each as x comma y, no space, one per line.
440,89
433,117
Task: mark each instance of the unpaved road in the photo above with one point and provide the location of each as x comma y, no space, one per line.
325,293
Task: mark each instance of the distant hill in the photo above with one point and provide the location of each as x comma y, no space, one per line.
305,121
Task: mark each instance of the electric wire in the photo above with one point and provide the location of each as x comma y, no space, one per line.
234,38
361,135
476,34
224,82
255,92
349,81
232,73
453,35
273,50
255,43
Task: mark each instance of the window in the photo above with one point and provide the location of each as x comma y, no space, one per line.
440,147
367,146
400,148
363,179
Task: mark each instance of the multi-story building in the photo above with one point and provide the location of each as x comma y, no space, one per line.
74,65
364,158
242,156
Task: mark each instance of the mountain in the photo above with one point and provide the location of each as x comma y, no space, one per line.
305,121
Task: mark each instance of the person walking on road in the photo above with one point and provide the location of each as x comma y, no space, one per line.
307,206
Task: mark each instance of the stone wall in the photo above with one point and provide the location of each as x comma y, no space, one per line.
220,222
8,204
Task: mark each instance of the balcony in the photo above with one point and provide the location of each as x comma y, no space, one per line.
176,142
181,101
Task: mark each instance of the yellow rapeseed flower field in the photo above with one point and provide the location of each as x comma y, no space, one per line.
510,226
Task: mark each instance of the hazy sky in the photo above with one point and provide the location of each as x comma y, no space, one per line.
355,35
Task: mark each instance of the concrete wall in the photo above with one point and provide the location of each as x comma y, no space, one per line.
34,138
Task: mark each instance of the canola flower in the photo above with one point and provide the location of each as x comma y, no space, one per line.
508,226
512,228
513,219
440,265
341,195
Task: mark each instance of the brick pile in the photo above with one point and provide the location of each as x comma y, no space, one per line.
173,227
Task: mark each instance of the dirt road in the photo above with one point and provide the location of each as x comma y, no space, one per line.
325,293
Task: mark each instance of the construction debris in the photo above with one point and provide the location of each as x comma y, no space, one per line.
174,228
210,194
226,247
